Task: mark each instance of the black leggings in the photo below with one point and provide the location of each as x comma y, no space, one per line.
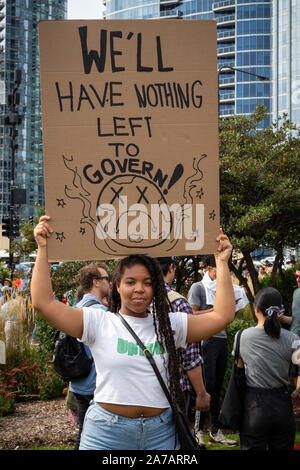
268,421
83,402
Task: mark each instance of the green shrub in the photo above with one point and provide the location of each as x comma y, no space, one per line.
7,397
34,379
50,384
286,284
44,335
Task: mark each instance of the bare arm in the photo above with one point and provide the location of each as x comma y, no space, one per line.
202,397
284,318
196,310
59,315
208,324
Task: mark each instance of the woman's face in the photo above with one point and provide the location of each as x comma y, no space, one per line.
135,290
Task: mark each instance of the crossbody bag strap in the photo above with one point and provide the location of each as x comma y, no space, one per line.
237,346
91,302
148,355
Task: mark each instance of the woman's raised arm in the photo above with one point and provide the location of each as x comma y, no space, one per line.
208,324
61,316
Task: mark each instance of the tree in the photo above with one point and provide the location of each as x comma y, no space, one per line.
26,245
259,187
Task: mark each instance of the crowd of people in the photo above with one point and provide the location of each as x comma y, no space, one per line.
121,404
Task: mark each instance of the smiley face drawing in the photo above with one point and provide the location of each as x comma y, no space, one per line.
137,214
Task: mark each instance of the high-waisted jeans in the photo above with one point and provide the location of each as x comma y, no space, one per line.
268,421
103,430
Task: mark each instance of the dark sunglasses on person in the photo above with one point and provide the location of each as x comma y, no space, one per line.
297,276
106,278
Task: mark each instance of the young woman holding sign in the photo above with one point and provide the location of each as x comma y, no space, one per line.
130,410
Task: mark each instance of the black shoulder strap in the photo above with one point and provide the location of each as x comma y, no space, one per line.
148,355
90,302
237,346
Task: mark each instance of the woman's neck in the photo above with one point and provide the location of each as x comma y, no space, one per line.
133,314
260,322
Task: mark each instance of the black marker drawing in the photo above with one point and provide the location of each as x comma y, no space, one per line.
212,215
192,181
200,193
60,236
177,174
127,209
61,203
79,192
142,195
132,212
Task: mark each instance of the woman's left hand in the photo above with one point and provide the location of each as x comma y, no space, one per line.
42,231
224,248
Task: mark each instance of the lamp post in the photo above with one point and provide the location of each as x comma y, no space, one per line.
12,120
234,69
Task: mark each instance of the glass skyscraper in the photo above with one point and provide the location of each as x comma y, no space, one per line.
255,36
19,51
243,37
286,59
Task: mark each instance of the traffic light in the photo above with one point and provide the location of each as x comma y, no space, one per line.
15,227
10,227
6,227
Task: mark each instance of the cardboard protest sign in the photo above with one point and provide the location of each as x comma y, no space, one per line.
130,137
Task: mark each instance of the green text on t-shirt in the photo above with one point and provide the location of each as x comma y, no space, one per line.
133,349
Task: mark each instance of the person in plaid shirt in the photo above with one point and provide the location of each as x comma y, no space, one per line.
190,358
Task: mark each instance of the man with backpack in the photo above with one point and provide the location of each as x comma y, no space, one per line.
191,361
94,283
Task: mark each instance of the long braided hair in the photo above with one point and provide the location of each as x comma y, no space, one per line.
161,320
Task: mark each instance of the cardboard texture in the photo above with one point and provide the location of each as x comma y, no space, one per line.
130,136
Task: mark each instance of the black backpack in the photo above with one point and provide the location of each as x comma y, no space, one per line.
70,359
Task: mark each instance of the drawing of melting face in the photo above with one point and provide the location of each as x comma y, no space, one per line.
133,212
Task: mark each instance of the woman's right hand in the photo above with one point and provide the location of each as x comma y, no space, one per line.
42,231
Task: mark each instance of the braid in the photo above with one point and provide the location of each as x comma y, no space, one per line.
161,320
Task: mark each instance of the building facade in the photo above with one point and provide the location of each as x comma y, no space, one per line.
243,38
19,51
286,59
256,36
261,37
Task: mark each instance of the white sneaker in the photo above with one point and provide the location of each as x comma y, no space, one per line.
200,439
220,438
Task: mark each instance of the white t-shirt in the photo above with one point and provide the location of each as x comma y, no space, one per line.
124,374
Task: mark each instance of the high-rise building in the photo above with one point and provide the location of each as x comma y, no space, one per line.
19,51
286,59
243,37
260,37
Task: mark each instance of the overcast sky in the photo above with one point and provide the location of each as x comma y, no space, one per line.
84,9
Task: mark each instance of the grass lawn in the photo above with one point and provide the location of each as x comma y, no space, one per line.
213,446
206,439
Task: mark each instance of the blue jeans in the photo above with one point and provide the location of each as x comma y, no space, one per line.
103,430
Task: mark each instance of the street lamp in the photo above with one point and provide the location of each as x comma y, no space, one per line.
234,69
13,119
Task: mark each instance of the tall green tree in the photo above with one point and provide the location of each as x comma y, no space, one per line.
259,187
26,244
